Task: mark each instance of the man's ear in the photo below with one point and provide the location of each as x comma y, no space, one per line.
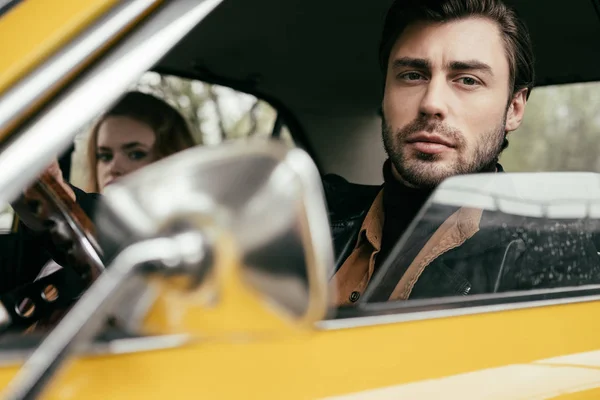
516,110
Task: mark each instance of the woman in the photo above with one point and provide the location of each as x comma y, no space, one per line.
135,132
138,130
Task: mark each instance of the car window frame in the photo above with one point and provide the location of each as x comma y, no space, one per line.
398,311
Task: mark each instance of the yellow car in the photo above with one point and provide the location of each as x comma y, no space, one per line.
208,271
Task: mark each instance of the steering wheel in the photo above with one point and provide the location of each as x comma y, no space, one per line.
47,208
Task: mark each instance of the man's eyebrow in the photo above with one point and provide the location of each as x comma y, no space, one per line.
418,63
102,148
469,65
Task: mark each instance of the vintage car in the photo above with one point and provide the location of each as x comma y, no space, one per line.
206,274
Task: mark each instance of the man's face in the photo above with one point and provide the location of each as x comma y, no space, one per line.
446,100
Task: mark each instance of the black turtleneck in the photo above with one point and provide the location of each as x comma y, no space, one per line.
401,204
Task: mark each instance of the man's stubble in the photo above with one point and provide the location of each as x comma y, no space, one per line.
423,170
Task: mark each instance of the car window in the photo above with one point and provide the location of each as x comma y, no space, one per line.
560,131
215,114
506,234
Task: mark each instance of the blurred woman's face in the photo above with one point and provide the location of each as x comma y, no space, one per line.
123,146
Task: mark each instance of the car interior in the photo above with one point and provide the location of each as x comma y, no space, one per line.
326,84
320,68
316,64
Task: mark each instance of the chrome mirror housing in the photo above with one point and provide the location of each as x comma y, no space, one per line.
267,198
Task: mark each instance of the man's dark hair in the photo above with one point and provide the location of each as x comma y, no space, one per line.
514,32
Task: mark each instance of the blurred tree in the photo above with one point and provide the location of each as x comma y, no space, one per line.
560,131
214,113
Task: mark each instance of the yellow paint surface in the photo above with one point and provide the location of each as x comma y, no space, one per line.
35,29
302,364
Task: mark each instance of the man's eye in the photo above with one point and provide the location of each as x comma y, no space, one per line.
468,81
411,76
137,155
104,157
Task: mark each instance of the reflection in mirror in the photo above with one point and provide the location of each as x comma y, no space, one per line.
491,233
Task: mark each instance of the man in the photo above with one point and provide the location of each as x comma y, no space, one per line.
457,76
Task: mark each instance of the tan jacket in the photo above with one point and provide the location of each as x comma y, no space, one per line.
352,278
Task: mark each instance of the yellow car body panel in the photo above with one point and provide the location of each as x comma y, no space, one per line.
40,30
512,353
35,29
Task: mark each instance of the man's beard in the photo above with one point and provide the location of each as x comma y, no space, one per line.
423,171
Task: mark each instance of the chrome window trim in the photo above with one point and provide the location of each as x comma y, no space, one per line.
98,87
419,310
19,99
129,345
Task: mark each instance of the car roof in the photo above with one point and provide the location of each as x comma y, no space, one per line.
319,58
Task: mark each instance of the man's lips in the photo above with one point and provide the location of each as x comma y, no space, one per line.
429,143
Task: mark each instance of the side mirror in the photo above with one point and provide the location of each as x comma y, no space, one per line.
263,197
255,210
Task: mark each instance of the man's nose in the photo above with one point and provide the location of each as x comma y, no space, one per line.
434,102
